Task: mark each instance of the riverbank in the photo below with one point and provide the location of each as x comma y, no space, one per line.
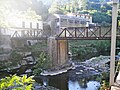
58,70
45,88
94,65
75,73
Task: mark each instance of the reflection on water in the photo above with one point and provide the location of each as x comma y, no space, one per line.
65,82
91,85
59,81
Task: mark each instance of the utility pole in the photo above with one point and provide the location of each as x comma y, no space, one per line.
113,41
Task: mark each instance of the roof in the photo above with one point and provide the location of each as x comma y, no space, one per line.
69,17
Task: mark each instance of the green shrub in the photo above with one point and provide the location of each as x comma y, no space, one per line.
43,63
16,83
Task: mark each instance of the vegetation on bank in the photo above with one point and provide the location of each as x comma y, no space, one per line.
15,59
42,64
16,83
105,81
18,56
85,49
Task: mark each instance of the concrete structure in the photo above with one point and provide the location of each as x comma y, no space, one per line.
86,17
58,51
58,21
113,41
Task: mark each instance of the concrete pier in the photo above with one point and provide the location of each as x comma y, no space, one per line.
58,51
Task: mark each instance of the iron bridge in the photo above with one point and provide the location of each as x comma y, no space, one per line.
68,33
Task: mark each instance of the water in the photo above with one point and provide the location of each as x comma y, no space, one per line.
91,85
66,82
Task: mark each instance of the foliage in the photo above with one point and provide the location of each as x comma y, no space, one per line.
55,8
36,48
31,9
62,6
17,55
105,77
99,17
3,22
87,49
15,4
105,81
84,4
15,58
5,65
17,83
104,86
93,6
102,47
93,0
43,63
10,16
40,8
104,24
102,15
108,6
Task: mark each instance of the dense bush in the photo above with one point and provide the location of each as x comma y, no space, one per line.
43,63
99,17
86,49
16,83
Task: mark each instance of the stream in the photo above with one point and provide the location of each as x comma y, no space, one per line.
79,78
85,76
67,82
71,80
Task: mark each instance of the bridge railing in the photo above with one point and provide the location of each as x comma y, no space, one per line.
28,33
94,32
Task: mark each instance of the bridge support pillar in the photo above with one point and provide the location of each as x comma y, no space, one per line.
58,51
62,46
52,50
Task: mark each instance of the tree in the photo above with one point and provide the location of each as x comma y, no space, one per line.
64,6
10,15
102,2
99,17
16,4
93,6
40,8
83,4
108,6
55,8
103,9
